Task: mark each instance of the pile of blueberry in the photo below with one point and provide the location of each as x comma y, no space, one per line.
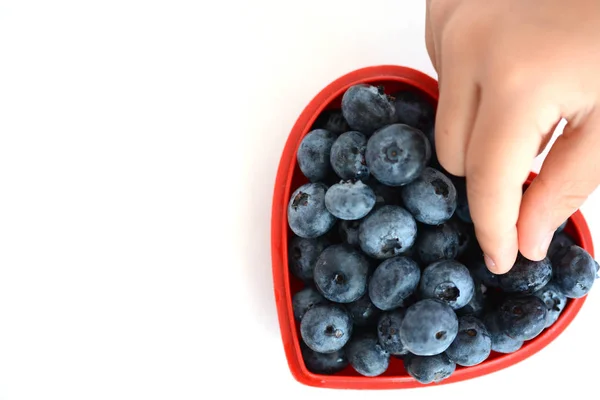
383,240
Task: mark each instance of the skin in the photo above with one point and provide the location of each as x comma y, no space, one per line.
509,70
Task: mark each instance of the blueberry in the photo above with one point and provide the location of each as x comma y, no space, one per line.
429,369
307,215
574,271
394,280
366,355
363,311
348,231
501,342
414,109
341,273
559,241
397,154
436,243
476,306
472,344
526,276
387,232
314,153
367,108
431,198
331,120
326,328
462,202
304,300
349,200
302,256
388,332
448,281
555,301
522,318
429,327
348,156
323,363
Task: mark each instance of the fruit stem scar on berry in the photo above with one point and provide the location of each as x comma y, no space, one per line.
301,199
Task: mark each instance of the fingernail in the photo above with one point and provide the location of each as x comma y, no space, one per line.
545,243
489,262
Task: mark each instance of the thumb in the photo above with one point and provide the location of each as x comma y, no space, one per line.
570,173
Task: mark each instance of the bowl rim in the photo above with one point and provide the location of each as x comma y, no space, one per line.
279,241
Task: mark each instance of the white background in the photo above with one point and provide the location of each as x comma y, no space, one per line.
139,142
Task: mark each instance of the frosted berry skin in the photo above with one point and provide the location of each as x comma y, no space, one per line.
472,344
430,198
348,156
526,276
448,281
307,215
326,328
574,271
367,108
386,232
429,369
393,281
366,355
349,200
522,318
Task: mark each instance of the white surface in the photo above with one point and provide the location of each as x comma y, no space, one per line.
139,142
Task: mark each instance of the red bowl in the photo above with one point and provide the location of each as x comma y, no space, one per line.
289,177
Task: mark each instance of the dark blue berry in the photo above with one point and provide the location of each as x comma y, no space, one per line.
472,344
414,109
526,276
501,342
363,311
323,363
341,273
387,232
326,328
302,256
304,300
431,198
522,318
367,108
350,200
314,154
560,241
397,154
348,156
436,243
574,271
555,301
448,281
388,332
307,215
429,369
429,327
393,281
366,355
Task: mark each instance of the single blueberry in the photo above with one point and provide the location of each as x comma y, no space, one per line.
448,281
323,363
555,301
331,120
304,300
348,156
367,108
366,355
574,271
560,241
326,328
341,273
314,153
349,200
522,318
431,198
307,215
414,109
526,276
397,154
501,342
477,305
348,231
302,256
388,332
435,243
393,281
473,343
429,327
387,232
363,311
429,369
